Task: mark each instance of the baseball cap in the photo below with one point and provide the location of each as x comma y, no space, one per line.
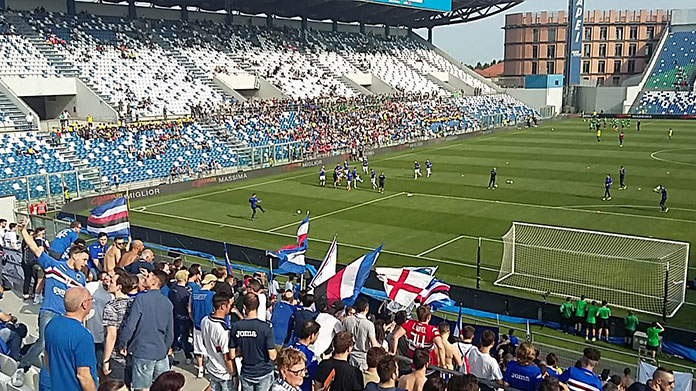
208,279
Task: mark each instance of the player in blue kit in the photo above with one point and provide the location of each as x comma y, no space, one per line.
373,179
607,187
428,168
663,199
337,176
255,203
416,170
356,178
63,240
346,168
349,177
322,176
365,165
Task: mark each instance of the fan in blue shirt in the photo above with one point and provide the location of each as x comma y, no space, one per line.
97,250
522,374
201,306
70,347
64,239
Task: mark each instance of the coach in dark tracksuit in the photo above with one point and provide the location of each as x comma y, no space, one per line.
491,182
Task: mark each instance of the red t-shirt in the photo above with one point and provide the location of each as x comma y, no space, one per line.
419,336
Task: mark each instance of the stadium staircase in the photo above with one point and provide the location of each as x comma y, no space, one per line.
87,173
64,67
314,58
194,71
233,143
14,113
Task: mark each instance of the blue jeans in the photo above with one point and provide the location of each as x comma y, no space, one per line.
146,371
38,347
263,383
182,331
13,341
221,385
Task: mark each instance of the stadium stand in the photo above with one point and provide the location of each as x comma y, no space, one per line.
669,88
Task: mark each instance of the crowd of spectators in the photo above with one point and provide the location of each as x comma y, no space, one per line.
112,315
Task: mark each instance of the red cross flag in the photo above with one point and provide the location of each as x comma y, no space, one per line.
403,285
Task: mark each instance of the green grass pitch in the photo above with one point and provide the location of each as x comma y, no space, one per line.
557,170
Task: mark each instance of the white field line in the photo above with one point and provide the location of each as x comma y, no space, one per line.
609,205
219,224
338,211
440,245
487,201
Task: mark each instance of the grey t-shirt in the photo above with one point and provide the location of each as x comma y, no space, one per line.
363,332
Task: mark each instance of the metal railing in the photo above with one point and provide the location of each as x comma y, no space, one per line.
50,187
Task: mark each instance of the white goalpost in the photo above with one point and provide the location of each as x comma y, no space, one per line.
637,273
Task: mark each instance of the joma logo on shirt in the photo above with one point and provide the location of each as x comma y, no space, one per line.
246,334
519,377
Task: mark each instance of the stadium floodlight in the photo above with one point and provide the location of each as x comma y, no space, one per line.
637,273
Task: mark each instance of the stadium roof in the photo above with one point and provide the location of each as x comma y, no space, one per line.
354,10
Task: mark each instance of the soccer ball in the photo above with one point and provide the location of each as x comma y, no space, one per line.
299,211
509,182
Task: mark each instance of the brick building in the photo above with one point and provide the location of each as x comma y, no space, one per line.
616,44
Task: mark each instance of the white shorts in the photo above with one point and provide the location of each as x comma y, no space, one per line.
322,177
428,170
198,345
416,171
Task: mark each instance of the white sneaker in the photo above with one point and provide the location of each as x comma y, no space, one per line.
200,373
18,378
38,299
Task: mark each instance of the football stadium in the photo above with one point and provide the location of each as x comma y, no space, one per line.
323,195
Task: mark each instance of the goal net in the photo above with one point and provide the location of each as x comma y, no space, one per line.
637,273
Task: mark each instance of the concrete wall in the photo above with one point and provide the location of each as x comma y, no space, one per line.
684,16
221,81
87,102
609,99
363,79
41,86
539,97
266,91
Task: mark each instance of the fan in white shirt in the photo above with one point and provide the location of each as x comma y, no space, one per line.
480,362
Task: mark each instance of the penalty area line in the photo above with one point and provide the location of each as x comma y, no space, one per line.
440,245
250,229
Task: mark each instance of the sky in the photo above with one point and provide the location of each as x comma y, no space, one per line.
483,40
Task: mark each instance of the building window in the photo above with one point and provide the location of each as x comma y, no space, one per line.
550,67
634,32
631,66
552,34
603,33
535,51
588,33
587,50
616,80
551,51
617,66
534,67
585,67
618,50
648,49
603,50
535,35
651,33
601,67
600,81
632,50
619,33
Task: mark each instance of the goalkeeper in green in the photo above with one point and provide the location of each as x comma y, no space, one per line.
604,312
591,321
566,315
580,309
